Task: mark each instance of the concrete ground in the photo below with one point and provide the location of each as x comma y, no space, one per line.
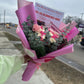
38,78
7,48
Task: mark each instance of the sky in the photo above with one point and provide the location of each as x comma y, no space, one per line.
69,7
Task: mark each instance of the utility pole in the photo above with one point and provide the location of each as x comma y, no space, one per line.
82,15
4,17
0,18
34,2
82,19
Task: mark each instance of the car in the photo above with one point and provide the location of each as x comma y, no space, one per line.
8,26
82,40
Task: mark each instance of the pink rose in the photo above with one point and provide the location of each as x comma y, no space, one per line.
36,28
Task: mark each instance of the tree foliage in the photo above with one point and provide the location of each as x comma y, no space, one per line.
78,20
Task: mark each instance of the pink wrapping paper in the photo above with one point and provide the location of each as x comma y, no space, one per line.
72,34
22,3
26,9
30,69
22,37
62,26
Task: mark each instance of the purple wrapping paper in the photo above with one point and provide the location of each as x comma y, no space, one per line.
24,10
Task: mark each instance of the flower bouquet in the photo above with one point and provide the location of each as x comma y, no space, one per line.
42,43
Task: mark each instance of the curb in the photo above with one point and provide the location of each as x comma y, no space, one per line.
72,64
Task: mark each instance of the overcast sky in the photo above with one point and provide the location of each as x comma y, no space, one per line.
69,7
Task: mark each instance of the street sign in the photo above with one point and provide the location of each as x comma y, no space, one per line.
48,15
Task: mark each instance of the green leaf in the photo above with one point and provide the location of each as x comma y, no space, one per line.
67,27
24,23
29,17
